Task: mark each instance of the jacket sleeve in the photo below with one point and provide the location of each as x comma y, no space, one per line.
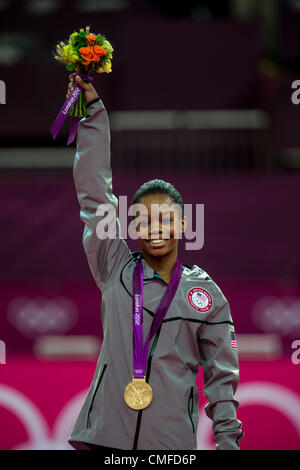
219,360
98,206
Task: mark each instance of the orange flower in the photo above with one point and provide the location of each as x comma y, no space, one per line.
91,38
87,55
91,54
99,51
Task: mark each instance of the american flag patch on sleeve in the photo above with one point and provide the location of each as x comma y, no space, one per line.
233,339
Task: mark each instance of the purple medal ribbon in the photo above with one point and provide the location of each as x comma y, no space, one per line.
140,351
66,108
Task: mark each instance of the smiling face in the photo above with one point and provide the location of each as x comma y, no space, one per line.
159,224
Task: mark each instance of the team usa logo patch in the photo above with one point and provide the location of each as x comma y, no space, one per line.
199,299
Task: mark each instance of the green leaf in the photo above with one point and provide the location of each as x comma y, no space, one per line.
70,67
100,39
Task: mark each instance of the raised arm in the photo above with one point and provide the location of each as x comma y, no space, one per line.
93,182
219,360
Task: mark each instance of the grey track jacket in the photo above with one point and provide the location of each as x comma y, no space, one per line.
186,338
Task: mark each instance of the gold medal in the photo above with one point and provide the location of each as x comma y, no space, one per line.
138,394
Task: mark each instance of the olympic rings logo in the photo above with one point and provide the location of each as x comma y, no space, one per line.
277,315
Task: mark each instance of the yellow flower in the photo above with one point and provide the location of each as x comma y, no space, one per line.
72,37
104,68
70,55
107,46
107,67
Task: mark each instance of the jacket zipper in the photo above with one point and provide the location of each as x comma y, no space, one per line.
91,405
191,399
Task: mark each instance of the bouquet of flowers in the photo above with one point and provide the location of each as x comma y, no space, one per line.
83,53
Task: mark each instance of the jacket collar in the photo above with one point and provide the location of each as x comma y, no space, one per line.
148,271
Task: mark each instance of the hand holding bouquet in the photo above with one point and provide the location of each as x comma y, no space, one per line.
90,93
83,54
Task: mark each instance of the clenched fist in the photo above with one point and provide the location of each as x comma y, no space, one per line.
89,91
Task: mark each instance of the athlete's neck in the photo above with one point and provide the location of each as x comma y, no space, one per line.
163,265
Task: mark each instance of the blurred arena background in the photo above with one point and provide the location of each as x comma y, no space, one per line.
200,95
